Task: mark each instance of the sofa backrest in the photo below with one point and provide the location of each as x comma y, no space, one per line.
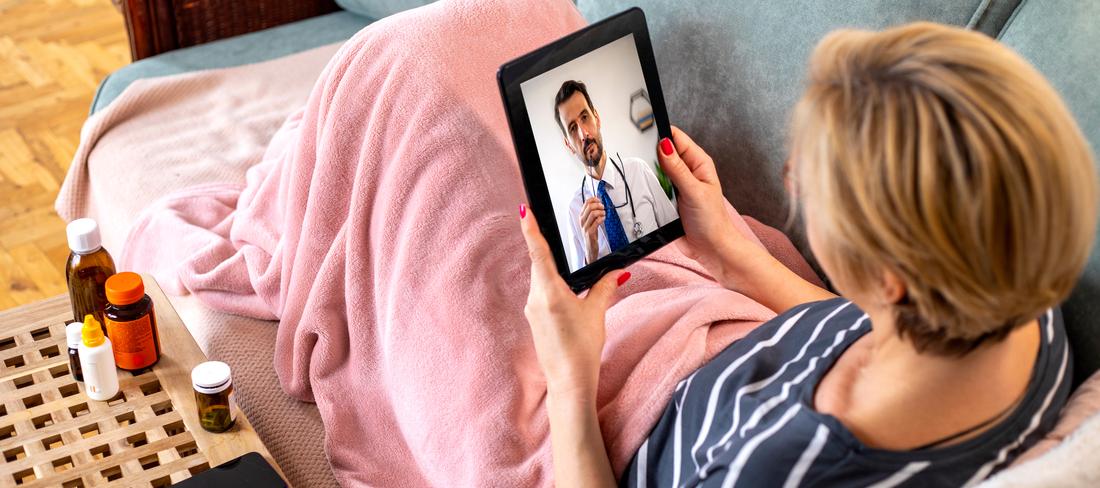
378,9
1062,38
732,71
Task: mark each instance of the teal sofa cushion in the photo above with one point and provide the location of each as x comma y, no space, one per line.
1061,39
732,71
377,9
235,51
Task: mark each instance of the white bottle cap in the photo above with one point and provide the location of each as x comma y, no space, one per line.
83,236
72,334
211,377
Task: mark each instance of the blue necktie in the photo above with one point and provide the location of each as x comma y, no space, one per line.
616,237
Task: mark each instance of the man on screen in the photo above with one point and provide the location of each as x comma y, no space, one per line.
615,203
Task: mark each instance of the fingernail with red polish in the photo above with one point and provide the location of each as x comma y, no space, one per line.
666,146
623,277
522,210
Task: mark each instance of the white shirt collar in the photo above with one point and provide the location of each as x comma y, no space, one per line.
611,174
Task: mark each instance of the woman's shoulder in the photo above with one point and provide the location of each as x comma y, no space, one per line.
977,458
822,307
817,328
833,313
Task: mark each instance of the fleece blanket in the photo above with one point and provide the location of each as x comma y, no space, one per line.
380,230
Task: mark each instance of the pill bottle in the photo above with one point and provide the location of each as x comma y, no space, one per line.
131,323
214,395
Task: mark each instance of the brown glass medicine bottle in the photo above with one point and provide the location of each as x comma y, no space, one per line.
131,323
213,385
87,270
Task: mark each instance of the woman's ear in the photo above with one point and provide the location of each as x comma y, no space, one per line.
893,288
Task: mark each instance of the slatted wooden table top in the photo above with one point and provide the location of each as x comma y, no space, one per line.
52,434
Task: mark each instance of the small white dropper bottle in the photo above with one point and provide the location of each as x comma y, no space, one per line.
97,362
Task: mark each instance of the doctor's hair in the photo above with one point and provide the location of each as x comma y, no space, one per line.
942,156
567,90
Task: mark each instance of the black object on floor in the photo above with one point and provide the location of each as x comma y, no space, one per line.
248,470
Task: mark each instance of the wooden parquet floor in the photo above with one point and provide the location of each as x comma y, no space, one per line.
53,54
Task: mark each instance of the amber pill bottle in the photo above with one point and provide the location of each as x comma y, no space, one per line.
213,385
131,323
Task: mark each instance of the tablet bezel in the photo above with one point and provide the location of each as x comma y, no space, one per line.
513,73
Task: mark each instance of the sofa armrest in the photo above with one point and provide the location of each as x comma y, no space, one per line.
157,26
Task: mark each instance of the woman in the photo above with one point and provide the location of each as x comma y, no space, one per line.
952,201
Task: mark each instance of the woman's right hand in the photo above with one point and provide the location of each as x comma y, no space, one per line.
711,238
709,234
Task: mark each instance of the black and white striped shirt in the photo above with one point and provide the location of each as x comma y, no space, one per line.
745,418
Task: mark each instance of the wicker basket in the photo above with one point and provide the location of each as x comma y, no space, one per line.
157,26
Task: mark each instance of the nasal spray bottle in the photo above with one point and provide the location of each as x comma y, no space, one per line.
97,362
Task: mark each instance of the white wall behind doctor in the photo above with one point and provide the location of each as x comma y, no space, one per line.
611,73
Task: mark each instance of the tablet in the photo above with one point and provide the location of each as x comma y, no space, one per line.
586,113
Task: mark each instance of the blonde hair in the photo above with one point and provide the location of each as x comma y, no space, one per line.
942,156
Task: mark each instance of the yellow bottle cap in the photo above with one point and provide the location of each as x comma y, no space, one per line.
92,332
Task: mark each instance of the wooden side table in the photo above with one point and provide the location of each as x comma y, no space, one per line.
52,434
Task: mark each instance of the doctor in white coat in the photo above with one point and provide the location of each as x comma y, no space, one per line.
625,185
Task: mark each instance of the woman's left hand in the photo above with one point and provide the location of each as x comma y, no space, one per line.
568,330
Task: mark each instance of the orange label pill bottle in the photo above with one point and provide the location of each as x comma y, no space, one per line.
131,322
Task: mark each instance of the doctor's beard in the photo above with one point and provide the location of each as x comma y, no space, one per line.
595,160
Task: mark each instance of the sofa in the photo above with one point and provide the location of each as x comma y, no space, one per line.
731,72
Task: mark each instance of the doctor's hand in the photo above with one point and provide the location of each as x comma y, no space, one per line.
710,236
592,217
568,330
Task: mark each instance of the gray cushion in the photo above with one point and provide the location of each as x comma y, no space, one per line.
235,51
1061,38
377,9
732,71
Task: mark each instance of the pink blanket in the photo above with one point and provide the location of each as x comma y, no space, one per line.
381,230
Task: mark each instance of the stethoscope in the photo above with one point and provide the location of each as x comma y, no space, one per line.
629,195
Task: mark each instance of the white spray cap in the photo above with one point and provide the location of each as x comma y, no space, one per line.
73,334
83,236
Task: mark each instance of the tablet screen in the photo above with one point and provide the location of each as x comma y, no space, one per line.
593,125
586,112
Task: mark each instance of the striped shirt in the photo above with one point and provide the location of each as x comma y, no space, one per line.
746,417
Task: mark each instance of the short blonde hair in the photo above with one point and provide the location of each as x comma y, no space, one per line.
941,155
